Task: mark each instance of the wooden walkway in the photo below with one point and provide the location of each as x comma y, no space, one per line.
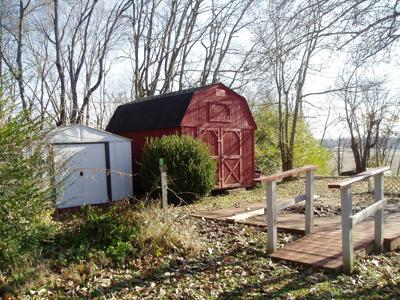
321,249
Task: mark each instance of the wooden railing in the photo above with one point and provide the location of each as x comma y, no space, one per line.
273,208
349,220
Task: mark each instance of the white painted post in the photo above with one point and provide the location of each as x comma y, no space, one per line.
379,214
164,191
272,231
347,236
309,202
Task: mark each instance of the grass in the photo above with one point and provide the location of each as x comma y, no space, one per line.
159,238
197,259
286,190
96,240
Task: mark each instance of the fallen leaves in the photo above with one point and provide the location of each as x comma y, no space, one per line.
232,264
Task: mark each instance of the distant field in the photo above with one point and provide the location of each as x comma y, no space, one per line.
349,165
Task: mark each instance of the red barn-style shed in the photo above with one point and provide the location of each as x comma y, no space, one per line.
214,114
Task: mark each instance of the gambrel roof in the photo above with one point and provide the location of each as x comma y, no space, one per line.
154,112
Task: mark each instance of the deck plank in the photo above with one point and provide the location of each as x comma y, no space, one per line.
323,247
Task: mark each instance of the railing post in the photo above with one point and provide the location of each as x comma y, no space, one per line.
272,231
379,195
309,202
347,238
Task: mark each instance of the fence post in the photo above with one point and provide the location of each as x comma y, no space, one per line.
309,202
379,214
272,231
347,238
164,192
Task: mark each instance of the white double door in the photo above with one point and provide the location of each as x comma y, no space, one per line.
81,176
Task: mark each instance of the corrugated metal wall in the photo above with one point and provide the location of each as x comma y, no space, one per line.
121,176
92,166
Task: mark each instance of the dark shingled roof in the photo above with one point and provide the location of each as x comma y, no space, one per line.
154,112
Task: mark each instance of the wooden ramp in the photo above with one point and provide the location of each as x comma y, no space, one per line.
321,249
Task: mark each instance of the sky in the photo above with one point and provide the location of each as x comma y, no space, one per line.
317,81
325,79
329,65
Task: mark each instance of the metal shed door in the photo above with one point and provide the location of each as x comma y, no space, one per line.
83,176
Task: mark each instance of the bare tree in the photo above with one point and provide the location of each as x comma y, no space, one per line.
374,25
60,66
163,33
55,54
388,142
340,154
225,23
14,58
289,59
367,108
181,43
364,27
329,121
83,33
292,33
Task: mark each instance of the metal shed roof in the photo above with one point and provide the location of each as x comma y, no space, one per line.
83,134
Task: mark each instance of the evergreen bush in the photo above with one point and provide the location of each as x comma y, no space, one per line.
191,169
25,191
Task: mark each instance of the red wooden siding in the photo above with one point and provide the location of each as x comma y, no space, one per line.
139,139
248,155
222,119
231,157
228,110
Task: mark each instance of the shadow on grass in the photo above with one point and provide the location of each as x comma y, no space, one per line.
181,268
278,275
280,280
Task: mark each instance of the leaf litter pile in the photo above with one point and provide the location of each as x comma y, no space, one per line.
231,262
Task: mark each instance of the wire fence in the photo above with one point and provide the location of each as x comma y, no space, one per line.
392,185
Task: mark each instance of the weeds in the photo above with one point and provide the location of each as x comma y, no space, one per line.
158,238
106,235
95,239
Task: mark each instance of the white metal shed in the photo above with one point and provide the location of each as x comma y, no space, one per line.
91,166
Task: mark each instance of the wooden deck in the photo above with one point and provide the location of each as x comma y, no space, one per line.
321,249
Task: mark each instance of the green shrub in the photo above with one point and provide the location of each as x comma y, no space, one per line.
307,150
95,232
25,194
267,153
191,170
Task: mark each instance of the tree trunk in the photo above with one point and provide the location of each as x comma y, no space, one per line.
57,41
359,161
287,164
